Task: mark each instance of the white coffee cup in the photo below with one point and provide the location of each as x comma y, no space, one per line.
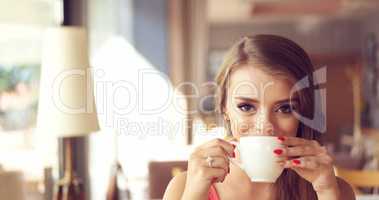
257,158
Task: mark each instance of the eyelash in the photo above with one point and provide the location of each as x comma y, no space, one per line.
286,106
246,107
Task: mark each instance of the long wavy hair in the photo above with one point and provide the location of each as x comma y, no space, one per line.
275,54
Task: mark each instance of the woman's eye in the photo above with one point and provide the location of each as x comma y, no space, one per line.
245,107
286,109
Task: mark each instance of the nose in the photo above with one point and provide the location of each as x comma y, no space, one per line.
262,125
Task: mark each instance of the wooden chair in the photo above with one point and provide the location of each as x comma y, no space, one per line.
359,178
12,186
160,174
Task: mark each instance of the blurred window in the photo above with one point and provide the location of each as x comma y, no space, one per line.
22,23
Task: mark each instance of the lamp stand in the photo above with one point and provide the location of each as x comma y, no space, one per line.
70,187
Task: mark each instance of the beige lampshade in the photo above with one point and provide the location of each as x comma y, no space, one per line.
66,103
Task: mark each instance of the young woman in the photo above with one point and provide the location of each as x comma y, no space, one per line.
255,85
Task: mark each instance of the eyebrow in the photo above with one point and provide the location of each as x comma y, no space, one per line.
294,100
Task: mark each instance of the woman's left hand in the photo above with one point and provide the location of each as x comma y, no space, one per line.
310,160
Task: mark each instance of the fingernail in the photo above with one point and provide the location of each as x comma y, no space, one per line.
296,162
278,151
214,180
228,170
281,138
233,154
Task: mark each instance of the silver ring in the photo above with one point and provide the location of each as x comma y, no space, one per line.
209,161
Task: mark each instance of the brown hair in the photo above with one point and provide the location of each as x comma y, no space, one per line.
276,55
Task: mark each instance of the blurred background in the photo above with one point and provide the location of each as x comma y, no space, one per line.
154,46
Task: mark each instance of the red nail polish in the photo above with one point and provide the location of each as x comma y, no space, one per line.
228,170
278,151
214,180
233,154
296,162
281,138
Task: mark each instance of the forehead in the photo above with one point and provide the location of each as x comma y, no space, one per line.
252,81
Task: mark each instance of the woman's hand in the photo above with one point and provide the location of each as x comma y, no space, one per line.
311,161
202,172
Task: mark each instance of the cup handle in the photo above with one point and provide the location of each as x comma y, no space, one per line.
233,160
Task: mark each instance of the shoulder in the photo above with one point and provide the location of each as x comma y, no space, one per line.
176,186
346,190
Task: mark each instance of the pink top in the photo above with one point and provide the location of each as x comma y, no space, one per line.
212,194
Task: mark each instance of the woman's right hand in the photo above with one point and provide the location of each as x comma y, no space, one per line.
200,175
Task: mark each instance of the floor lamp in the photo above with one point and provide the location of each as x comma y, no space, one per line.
66,102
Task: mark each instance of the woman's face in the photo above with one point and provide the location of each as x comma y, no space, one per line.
259,103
